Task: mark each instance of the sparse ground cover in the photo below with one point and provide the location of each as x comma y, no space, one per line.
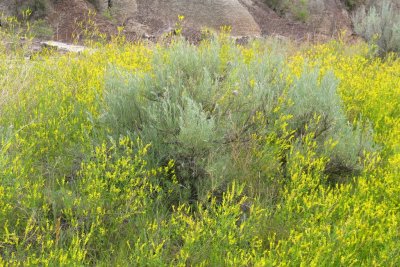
213,155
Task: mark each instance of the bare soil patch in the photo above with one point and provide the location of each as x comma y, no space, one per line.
151,20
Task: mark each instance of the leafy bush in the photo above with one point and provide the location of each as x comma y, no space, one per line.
202,113
41,29
297,8
38,8
380,24
187,107
318,109
353,4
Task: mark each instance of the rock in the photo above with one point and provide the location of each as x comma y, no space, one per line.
158,14
63,47
213,14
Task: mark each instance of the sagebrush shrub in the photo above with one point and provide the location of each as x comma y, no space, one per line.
380,24
202,110
195,105
317,108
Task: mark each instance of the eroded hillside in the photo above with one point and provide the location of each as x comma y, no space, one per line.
142,18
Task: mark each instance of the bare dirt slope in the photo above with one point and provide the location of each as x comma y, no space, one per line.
142,18
271,23
70,18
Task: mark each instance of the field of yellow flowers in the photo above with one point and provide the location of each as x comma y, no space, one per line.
209,155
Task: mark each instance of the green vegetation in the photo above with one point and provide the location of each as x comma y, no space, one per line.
211,155
353,4
299,9
380,24
38,8
41,29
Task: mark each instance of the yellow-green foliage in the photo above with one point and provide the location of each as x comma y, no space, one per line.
368,86
79,189
353,224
